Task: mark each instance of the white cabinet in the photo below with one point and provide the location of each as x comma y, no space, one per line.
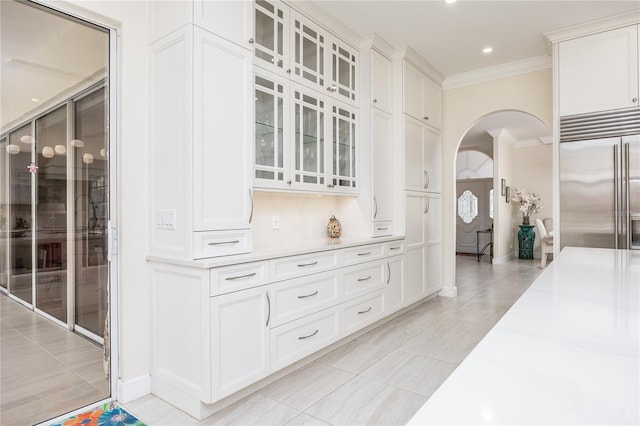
422,157
381,82
382,168
305,102
200,137
415,230
599,72
394,291
433,243
231,20
422,96
240,340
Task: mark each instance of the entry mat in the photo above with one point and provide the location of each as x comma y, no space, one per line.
108,414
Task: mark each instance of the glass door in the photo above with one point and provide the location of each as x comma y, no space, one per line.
19,214
90,213
51,213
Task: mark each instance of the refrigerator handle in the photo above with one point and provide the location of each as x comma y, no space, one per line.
627,194
615,196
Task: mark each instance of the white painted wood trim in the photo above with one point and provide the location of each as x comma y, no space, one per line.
497,72
133,389
448,292
504,259
599,25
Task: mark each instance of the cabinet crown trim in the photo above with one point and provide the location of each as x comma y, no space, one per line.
599,25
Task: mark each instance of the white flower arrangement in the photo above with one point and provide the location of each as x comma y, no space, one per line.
529,203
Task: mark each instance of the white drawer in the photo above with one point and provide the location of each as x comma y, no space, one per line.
298,266
381,229
238,277
363,279
394,247
363,312
363,253
221,243
297,339
293,299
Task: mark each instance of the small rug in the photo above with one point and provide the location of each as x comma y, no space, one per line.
108,414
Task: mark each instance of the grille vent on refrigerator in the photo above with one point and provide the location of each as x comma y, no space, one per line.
600,125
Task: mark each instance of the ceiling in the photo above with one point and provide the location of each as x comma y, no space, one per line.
451,38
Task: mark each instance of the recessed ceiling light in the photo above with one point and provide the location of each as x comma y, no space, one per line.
35,99
449,1
487,50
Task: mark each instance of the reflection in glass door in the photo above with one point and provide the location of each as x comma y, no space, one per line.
91,213
51,212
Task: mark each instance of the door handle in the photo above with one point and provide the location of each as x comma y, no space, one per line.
615,196
627,194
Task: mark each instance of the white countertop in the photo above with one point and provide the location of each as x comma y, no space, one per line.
567,352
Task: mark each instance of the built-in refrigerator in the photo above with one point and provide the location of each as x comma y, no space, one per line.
599,185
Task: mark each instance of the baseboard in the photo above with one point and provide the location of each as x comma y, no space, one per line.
448,292
133,389
502,260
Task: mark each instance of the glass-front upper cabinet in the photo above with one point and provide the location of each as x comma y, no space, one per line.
270,40
309,140
343,126
270,125
289,43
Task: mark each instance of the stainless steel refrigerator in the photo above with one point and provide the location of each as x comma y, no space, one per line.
600,191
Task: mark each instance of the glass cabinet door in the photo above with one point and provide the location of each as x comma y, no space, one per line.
309,139
270,41
270,94
343,126
5,228
308,61
343,74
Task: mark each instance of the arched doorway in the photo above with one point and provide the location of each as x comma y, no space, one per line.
519,145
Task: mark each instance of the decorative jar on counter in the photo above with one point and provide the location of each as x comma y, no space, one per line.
334,228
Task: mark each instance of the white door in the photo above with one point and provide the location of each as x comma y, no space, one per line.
472,214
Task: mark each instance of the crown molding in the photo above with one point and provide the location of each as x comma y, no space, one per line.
599,25
497,72
374,41
413,57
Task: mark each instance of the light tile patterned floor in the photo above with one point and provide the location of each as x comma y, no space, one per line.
45,370
384,376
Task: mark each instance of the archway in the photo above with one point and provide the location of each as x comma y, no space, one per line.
520,146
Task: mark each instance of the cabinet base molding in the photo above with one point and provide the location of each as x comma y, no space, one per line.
133,389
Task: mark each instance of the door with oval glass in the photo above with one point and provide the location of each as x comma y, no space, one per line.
474,213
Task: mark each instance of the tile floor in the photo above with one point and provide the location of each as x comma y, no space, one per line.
45,370
384,376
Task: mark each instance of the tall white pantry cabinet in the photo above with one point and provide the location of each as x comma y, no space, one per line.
225,318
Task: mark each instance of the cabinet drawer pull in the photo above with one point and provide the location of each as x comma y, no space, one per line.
310,335
364,254
388,273
382,228
224,242
240,277
304,296
394,248
302,265
364,279
365,311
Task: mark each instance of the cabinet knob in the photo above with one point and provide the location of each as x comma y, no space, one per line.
329,185
250,41
375,100
288,182
332,88
289,71
634,100
426,118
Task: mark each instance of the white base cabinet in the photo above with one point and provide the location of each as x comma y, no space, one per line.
218,329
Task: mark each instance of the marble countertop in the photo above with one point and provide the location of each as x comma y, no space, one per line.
567,352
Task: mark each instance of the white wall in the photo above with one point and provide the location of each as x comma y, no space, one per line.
502,213
463,107
130,19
